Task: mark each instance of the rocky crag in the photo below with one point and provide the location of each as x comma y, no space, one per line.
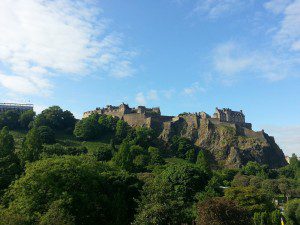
230,140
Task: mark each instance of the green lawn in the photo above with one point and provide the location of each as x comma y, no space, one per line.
64,139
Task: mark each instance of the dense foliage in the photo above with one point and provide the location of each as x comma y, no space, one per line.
16,119
99,170
74,188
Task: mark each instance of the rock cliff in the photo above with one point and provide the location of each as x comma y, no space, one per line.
230,140
230,145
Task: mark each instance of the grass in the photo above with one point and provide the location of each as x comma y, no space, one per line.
64,139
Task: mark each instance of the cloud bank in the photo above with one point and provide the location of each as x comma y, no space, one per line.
45,38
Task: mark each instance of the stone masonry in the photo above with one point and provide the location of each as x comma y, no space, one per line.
151,117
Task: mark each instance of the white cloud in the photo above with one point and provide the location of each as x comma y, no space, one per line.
231,60
152,95
42,38
214,9
193,89
287,137
277,6
168,93
26,85
288,34
140,98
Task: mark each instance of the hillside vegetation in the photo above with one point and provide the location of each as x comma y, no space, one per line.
55,169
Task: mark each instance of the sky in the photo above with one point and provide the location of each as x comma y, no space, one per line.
180,55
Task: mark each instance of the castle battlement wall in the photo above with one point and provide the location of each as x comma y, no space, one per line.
151,117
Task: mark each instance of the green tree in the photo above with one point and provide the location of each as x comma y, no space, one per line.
9,163
270,186
32,146
252,199
57,214
10,119
275,217
72,188
88,128
132,158
155,156
183,148
221,211
145,137
107,123
26,118
122,129
46,134
103,153
203,161
169,196
288,187
240,180
292,212
55,118
267,218
123,157
255,169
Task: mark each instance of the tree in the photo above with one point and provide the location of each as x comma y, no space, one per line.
288,187
252,199
10,119
55,118
240,180
88,128
26,118
221,211
122,129
46,134
275,217
145,137
103,153
107,123
131,157
123,157
255,169
292,212
168,197
270,186
203,161
155,156
183,148
32,146
72,188
57,214
9,163
68,122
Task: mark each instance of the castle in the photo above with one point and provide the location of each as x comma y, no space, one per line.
151,117
15,107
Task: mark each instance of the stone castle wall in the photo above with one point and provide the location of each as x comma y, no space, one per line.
152,118
137,120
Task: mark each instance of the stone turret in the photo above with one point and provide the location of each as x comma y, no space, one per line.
230,116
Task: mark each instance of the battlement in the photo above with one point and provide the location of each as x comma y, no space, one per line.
143,116
229,116
15,107
124,109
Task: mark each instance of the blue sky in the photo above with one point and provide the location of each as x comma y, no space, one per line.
181,55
